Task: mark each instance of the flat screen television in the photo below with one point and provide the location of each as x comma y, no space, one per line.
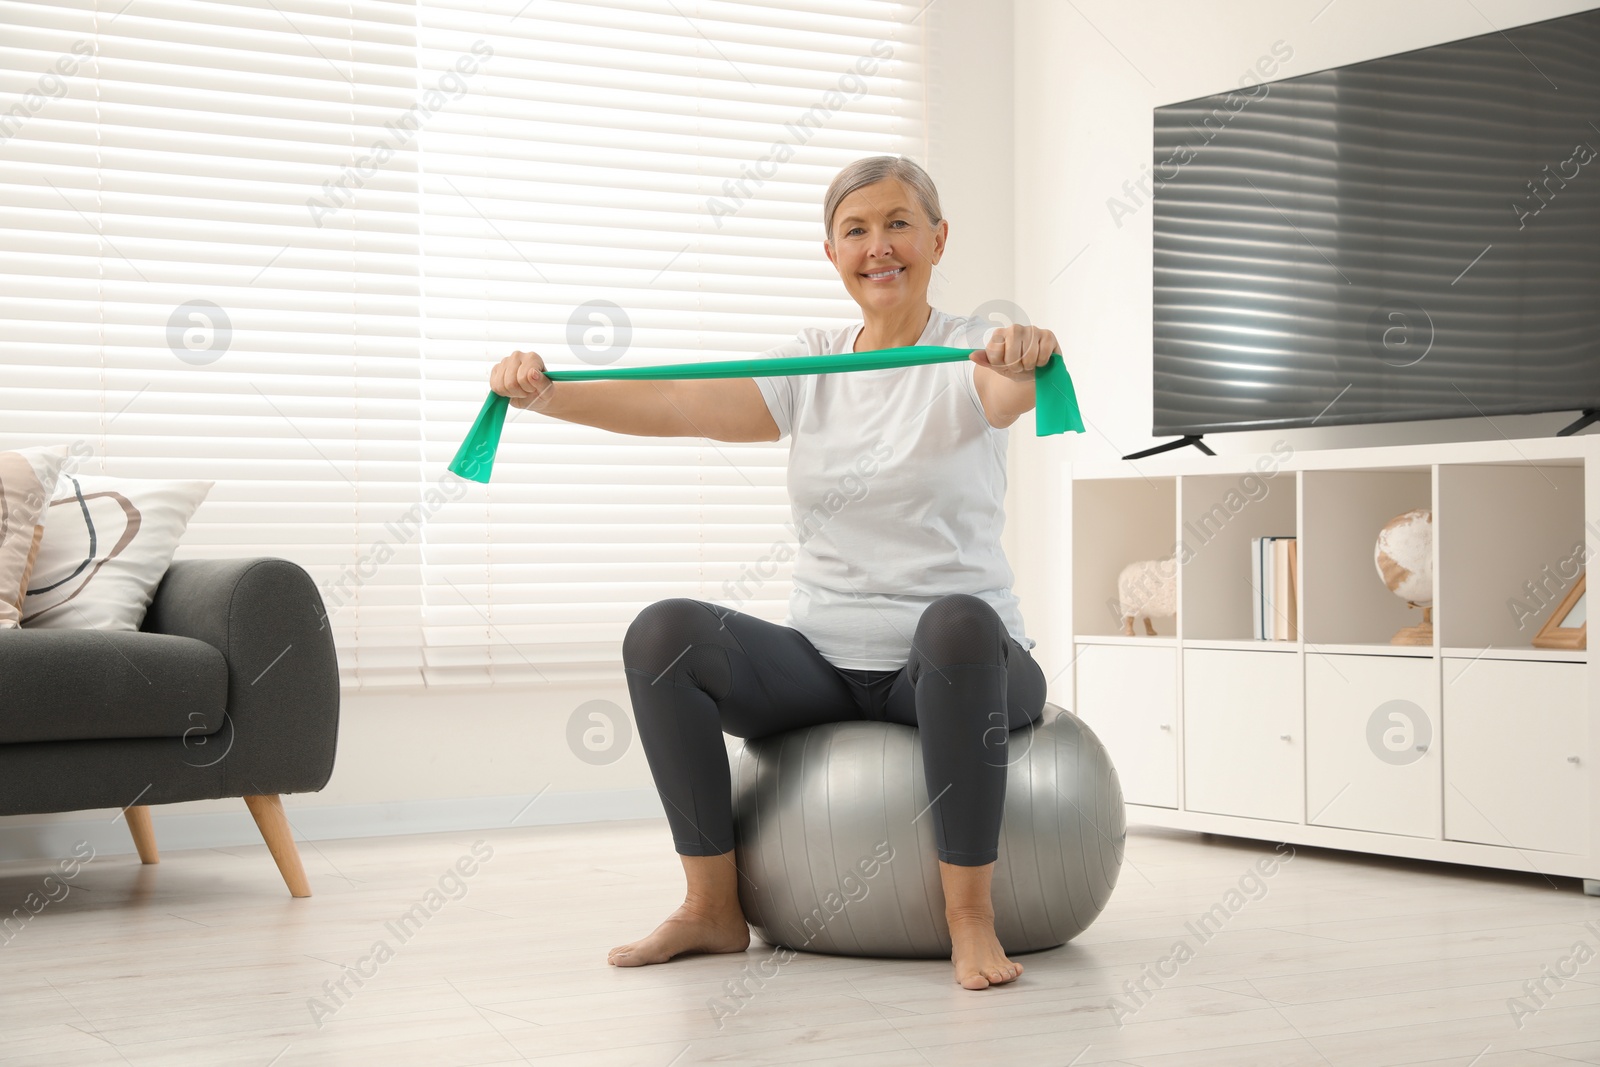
1412,237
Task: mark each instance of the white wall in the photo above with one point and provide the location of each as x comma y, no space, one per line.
420,760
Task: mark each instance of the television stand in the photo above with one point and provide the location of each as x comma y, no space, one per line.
1189,439
1477,748
1589,415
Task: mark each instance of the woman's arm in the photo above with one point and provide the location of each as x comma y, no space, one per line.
723,409
1004,375
1004,399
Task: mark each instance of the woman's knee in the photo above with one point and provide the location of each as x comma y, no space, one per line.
659,634
961,628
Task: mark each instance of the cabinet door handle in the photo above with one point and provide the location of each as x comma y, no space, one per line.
1284,736
1166,726
1572,759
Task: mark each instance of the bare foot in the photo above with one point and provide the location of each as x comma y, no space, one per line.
979,960
685,930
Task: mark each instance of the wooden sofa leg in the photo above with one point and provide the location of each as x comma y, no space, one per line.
274,827
144,833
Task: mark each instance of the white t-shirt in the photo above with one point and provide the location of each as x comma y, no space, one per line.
896,490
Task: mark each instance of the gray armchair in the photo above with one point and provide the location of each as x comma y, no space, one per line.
231,689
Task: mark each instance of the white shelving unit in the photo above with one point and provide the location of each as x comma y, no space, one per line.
1480,749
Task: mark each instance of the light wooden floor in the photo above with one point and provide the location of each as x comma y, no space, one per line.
1345,959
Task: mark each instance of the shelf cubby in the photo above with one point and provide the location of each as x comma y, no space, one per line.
1510,545
1117,521
1345,601
1220,514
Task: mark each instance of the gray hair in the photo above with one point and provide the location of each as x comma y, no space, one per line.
873,169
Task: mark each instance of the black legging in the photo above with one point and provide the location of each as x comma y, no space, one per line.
696,669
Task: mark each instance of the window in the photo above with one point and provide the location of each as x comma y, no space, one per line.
281,246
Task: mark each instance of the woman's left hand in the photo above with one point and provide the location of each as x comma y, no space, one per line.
1016,351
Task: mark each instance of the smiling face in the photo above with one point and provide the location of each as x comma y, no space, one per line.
884,246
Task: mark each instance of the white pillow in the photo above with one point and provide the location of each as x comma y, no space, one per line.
107,542
27,480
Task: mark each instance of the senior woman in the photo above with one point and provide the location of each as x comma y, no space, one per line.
902,607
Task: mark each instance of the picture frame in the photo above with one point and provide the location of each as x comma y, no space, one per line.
1568,625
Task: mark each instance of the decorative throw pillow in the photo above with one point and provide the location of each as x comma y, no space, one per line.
107,542
27,478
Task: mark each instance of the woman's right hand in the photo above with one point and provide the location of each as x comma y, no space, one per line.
521,377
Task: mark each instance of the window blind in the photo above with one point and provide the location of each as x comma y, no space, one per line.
169,301
279,245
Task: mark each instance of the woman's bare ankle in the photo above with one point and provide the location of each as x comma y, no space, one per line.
721,912
970,917
711,881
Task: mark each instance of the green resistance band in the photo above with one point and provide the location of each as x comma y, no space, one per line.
1055,408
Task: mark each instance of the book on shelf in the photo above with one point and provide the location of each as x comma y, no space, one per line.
1273,566
1283,621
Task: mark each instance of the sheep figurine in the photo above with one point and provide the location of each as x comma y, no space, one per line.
1147,588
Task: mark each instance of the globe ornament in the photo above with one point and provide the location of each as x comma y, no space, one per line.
1404,558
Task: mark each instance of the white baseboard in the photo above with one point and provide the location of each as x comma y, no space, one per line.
177,829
